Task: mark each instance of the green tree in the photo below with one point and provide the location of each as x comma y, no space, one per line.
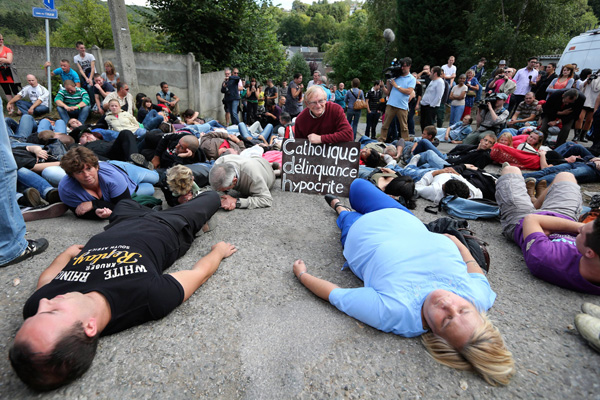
298,64
358,53
322,29
299,6
89,21
292,29
222,32
513,30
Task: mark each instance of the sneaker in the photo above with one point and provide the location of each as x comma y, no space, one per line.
591,309
44,212
31,198
589,328
139,160
33,247
415,160
52,196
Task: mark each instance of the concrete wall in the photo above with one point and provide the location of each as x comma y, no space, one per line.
201,92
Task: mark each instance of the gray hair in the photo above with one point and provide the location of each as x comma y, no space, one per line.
221,176
313,91
227,69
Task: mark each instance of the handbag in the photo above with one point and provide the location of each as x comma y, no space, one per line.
358,104
471,93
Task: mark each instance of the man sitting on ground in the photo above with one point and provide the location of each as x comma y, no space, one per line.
101,90
72,102
77,300
65,72
122,95
252,177
556,247
38,99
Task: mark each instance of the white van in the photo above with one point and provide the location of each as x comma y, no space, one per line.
583,50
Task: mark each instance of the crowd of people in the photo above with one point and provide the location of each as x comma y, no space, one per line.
110,170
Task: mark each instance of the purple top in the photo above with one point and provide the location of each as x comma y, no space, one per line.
554,258
113,182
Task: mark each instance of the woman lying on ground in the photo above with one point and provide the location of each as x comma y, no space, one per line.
92,189
524,152
410,292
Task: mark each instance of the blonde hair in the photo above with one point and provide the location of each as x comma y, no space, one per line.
111,66
180,180
484,353
310,93
506,135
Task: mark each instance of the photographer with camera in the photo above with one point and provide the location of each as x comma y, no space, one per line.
491,118
591,90
231,100
562,107
293,104
399,86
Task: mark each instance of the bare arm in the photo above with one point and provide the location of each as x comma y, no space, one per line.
58,264
319,287
548,224
192,279
465,253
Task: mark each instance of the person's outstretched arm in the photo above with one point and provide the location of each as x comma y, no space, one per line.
320,287
192,279
58,264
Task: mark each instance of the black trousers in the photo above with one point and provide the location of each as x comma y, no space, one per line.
182,222
428,114
123,147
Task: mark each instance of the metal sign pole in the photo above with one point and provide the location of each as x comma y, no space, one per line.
48,59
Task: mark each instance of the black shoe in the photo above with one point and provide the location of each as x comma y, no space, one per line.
45,212
31,198
139,160
33,247
329,198
53,197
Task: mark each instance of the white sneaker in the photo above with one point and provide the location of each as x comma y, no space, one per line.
415,160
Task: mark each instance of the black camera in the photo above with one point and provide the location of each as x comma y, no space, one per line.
393,71
591,77
490,99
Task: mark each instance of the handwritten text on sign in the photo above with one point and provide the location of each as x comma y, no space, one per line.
319,168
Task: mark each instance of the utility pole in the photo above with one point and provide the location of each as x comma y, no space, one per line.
122,39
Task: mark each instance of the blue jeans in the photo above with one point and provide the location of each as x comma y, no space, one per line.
364,140
81,114
207,127
53,175
431,159
144,178
455,113
59,126
22,129
572,149
353,118
231,107
425,144
28,178
266,133
512,131
107,134
12,234
364,198
24,107
152,120
582,172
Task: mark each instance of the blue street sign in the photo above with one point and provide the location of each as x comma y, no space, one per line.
43,13
49,4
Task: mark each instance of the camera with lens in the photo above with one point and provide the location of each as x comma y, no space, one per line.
393,71
490,99
591,77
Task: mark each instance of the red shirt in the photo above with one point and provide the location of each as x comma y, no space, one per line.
332,125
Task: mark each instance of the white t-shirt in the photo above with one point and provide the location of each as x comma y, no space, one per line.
85,62
448,71
35,93
456,91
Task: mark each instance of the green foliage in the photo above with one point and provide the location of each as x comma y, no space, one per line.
89,21
21,27
298,64
316,25
528,33
359,52
223,33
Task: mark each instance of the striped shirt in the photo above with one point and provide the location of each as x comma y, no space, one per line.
72,100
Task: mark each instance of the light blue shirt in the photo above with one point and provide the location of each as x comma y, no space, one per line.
398,99
399,268
71,74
